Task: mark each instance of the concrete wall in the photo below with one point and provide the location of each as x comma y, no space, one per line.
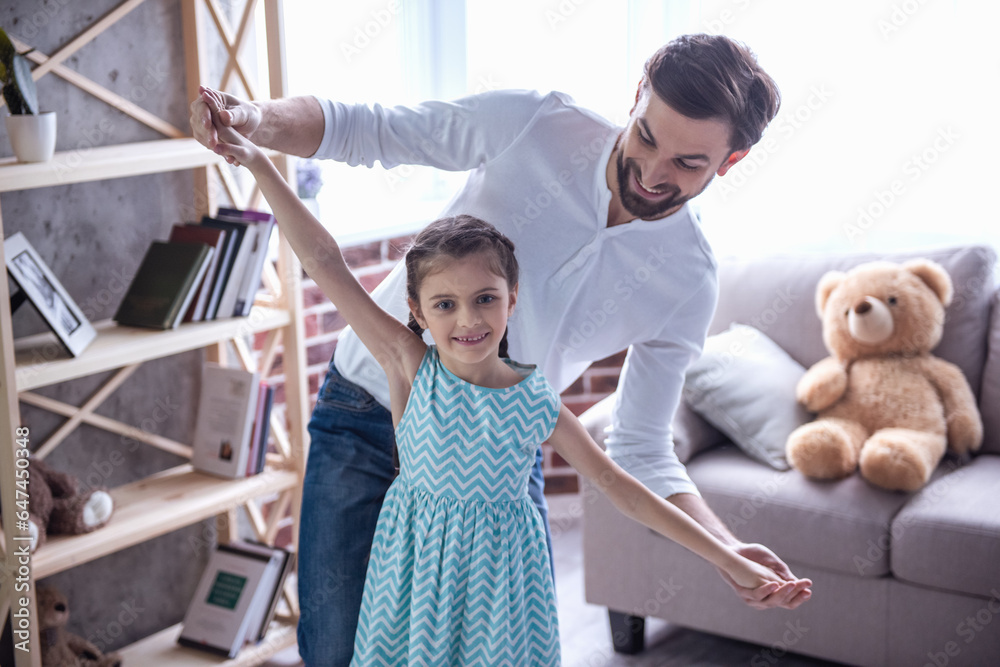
93,236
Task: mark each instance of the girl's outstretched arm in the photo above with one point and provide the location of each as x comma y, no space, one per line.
571,440
397,349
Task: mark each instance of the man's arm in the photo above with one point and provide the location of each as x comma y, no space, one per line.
456,136
292,125
641,436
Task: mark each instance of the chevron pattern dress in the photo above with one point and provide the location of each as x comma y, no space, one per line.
459,571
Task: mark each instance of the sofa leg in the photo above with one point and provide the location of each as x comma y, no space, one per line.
627,632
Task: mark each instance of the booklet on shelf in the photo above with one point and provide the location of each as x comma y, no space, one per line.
164,285
261,240
243,234
269,590
261,428
182,233
225,421
287,565
228,598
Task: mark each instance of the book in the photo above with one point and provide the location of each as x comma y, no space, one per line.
224,426
213,237
269,590
222,609
258,254
266,428
287,565
243,233
164,285
222,270
258,424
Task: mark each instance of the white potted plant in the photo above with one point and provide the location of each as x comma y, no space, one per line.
32,134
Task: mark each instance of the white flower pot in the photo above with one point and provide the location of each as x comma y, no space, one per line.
33,137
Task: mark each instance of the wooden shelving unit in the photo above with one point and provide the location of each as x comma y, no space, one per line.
117,346
162,650
98,164
154,506
180,496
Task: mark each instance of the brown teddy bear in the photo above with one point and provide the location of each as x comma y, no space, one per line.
60,648
883,401
59,507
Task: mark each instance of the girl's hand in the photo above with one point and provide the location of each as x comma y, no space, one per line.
790,593
239,114
774,588
232,145
746,573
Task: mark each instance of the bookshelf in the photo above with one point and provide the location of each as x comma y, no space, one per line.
179,496
96,164
117,346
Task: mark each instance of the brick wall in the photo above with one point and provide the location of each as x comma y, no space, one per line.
371,263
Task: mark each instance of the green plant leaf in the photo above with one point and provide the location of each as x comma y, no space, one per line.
6,51
13,98
25,85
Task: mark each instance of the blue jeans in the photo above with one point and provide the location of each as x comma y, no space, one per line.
349,470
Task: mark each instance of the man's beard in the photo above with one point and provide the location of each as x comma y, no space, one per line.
640,207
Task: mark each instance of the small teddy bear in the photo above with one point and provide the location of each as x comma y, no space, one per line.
884,403
60,648
58,507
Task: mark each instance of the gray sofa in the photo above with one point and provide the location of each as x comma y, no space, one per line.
899,579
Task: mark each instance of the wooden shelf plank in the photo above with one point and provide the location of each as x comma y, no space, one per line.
155,506
163,650
95,164
41,361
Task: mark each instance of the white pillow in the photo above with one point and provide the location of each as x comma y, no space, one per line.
744,385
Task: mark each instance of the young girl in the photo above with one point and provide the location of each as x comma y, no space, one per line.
459,570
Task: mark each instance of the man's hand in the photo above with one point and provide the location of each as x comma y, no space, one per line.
788,595
229,143
240,115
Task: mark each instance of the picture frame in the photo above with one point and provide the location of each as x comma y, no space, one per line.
39,285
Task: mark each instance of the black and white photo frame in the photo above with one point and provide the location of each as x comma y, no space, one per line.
38,285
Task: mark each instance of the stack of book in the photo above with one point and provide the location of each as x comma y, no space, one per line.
204,271
233,422
236,597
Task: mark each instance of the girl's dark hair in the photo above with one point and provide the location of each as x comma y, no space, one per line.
713,76
454,238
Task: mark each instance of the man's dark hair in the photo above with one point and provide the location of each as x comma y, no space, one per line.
712,76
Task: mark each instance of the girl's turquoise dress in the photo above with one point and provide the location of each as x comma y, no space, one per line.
459,571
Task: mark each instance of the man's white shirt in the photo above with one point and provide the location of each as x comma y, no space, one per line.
587,291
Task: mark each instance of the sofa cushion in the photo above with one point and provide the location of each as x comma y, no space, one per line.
744,385
692,434
842,526
948,535
777,295
989,397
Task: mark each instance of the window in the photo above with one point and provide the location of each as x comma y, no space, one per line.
380,51
886,125
885,138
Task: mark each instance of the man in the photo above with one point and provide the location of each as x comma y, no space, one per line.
611,257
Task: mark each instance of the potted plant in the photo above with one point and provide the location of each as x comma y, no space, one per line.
32,134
